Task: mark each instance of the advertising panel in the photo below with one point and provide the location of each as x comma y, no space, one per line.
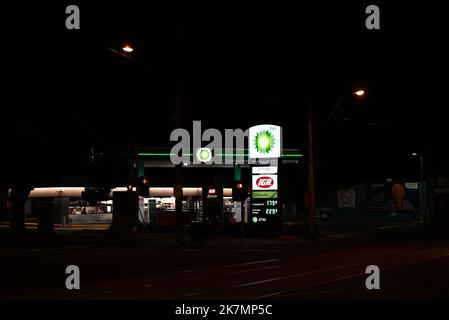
265,182
265,141
393,196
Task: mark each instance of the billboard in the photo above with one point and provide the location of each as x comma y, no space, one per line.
265,141
393,196
265,182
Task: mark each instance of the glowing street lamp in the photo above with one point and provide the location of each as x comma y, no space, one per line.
311,194
128,49
359,93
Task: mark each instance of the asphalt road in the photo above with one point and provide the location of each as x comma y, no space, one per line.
410,268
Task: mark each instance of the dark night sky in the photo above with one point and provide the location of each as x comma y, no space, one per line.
65,92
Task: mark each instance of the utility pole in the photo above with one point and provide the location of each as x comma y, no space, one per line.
178,123
312,220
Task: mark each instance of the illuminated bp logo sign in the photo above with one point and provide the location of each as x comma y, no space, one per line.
204,154
265,141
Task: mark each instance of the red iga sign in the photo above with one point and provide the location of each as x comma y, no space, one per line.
265,182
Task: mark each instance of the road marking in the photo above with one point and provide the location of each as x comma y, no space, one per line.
193,294
46,249
288,293
269,295
418,261
423,251
386,227
196,278
248,284
291,292
250,263
253,250
231,265
310,286
318,292
189,270
95,294
250,270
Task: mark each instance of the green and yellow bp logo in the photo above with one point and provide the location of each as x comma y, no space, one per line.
264,141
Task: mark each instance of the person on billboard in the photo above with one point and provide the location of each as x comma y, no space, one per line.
399,202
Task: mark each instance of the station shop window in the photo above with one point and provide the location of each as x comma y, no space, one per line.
78,207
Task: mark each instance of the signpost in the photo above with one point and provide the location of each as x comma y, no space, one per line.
265,146
346,198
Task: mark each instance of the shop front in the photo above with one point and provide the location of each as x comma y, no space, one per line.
206,193
67,206
69,209
267,198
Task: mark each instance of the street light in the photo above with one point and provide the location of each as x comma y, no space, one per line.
311,195
128,49
359,93
311,175
177,124
139,57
